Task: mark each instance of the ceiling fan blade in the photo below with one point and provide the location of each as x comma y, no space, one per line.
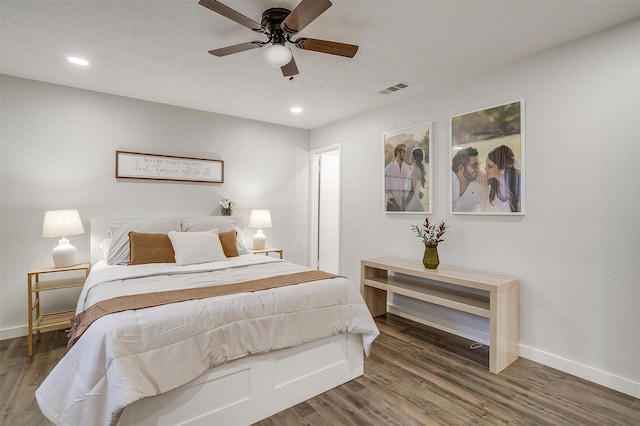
303,14
237,48
227,12
290,69
324,46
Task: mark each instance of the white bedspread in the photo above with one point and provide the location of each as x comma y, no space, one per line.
131,355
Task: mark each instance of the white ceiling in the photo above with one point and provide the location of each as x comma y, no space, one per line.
157,50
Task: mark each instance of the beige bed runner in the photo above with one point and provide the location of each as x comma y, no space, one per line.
84,319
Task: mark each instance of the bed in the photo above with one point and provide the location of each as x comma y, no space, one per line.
232,359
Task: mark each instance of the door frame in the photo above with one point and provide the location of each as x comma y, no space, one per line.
315,202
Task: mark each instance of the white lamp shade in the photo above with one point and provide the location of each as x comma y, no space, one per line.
278,55
60,223
260,219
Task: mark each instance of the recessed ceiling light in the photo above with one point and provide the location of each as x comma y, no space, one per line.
296,109
77,61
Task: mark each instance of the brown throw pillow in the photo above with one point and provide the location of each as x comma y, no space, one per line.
150,248
228,241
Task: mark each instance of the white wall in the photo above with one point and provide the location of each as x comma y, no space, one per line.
58,151
576,251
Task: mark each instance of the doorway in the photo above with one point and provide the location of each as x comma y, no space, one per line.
325,209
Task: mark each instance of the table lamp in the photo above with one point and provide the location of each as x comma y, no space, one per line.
260,219
61,223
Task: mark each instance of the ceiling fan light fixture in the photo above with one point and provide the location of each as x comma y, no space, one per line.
278,55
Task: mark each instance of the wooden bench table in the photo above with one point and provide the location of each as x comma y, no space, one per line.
497,301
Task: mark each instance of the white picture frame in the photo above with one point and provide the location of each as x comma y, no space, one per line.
400,185
491,141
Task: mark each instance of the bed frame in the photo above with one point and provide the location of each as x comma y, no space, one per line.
247,390
253,388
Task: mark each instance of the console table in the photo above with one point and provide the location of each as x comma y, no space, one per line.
498,300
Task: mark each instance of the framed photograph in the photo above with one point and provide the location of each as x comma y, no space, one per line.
487,161
408,174
137,165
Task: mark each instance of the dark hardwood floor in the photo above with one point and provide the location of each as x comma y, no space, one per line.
416,375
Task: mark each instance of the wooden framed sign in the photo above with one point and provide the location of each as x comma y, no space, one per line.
137,165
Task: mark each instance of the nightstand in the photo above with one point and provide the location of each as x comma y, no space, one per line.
267,250
35,287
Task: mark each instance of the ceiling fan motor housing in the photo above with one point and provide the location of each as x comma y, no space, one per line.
271,20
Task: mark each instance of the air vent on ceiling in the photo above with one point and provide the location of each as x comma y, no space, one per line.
395,88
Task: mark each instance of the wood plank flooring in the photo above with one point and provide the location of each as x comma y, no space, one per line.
416,375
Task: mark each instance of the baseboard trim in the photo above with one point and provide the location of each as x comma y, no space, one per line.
12,333
603,378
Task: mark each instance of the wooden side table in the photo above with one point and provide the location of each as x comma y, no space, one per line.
267,250
35,286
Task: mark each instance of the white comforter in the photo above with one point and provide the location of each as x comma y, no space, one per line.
131,355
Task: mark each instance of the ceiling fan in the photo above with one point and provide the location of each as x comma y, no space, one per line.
279,25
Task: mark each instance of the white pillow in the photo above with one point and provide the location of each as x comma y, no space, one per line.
220,223
196,247
105,245
242,246
119,233
207,223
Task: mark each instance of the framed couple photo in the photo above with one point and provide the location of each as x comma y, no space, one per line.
408,171
487,161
